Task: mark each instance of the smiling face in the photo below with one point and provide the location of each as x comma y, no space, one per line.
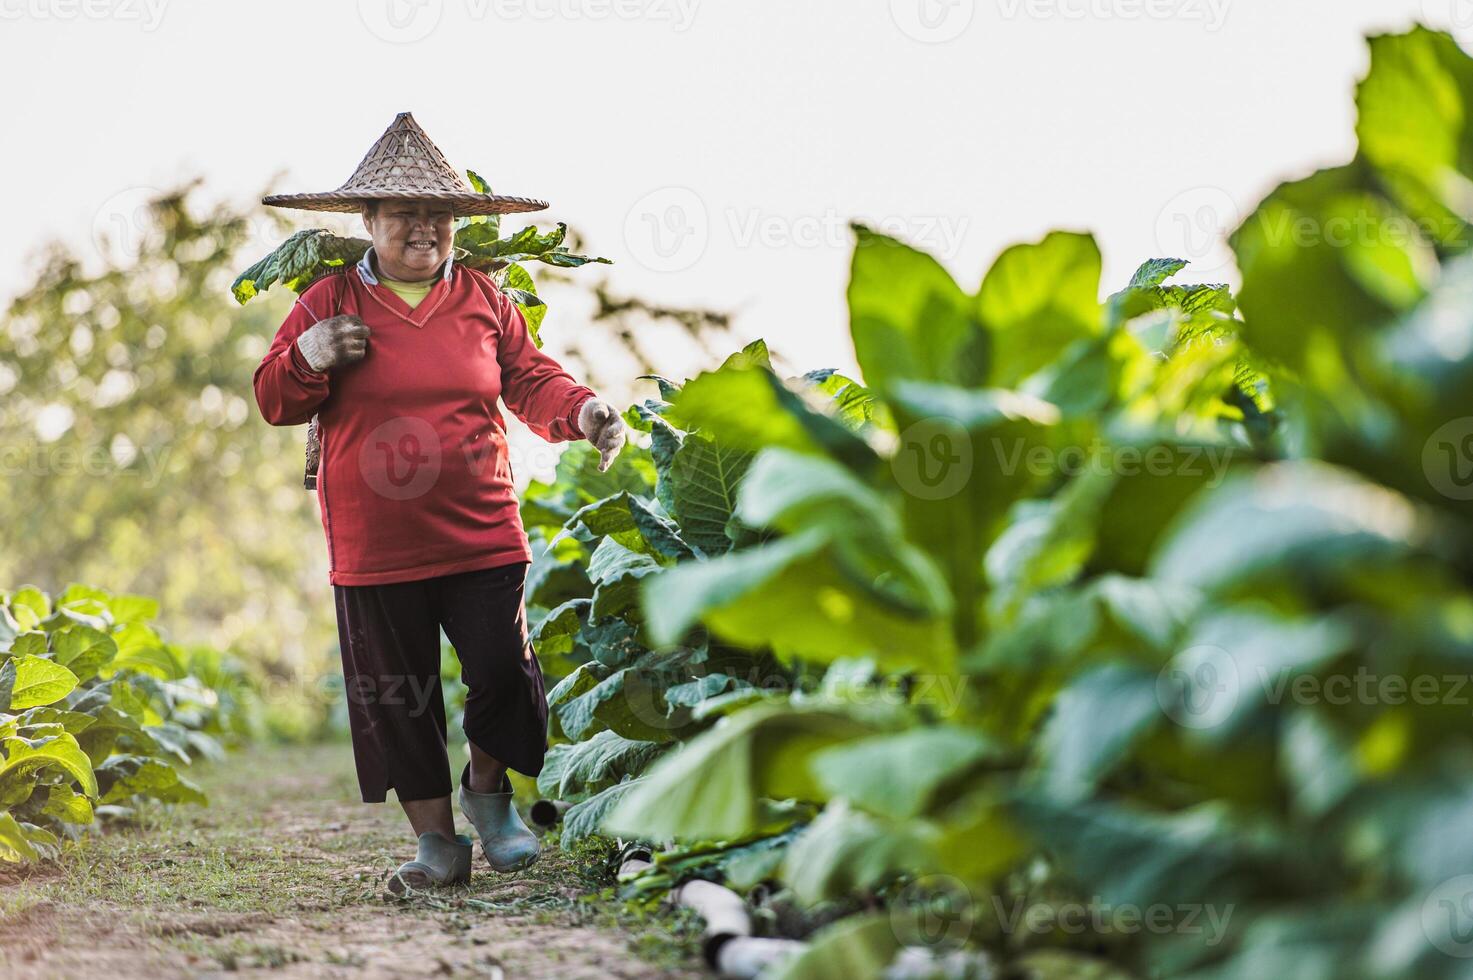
411,239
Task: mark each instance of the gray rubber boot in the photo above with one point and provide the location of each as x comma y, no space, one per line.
505,841
439,862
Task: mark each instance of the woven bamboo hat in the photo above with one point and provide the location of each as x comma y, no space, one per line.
404,165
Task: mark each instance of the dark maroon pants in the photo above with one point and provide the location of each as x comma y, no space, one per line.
390,638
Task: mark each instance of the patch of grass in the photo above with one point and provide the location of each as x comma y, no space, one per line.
240,954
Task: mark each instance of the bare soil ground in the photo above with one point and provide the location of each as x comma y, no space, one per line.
283,875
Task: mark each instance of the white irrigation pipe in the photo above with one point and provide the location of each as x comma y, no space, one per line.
727,942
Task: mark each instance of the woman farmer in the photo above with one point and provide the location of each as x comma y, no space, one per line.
403,359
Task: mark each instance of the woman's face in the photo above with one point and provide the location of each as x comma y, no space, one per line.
411,239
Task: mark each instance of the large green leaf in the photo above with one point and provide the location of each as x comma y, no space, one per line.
704,477
616,573
28,756
714,787
625,701
749,408
298,262
9,628
83,650
1036,300
1095,721
1286,519
557,631
39,681
791,492
845,851
632,522
859,946
901,776
14,845
598,762
584,819
908,318
123,777
965,457
517,283
798,596
75,722
1134,857
30,606
1323,264
67,805
1414,126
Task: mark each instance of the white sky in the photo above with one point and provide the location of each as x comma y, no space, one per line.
754,130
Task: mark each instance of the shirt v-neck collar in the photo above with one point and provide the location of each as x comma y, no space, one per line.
389,300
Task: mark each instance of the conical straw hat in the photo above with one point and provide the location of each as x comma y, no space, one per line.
404,165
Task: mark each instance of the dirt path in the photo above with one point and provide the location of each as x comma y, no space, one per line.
282,875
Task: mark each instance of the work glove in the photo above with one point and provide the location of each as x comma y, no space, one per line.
334,342
602,425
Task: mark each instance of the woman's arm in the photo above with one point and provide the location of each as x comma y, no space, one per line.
288,388
533,385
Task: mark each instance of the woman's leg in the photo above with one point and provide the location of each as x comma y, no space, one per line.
485,618
390,640
486,772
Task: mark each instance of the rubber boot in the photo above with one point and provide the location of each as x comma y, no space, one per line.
439,862
505,840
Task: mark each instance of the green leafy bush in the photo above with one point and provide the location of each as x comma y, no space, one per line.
1054,609
98,713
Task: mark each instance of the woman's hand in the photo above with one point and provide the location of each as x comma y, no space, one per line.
334,342
602,425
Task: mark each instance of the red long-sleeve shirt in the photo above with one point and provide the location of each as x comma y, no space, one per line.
414,480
